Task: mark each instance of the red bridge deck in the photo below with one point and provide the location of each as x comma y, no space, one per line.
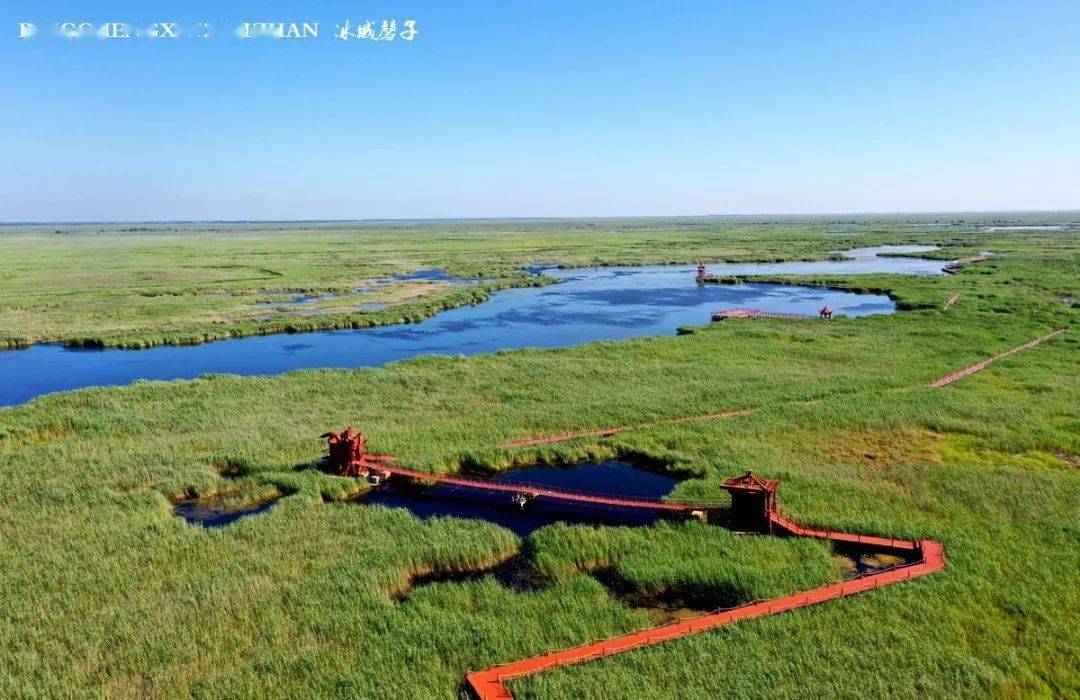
753,500
491,683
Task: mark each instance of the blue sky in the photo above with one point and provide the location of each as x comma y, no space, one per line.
544,108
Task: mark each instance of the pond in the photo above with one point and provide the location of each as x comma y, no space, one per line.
519,571
462,502
219,512
588,304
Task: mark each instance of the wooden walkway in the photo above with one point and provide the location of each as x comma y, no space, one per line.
979,366
953,267
490,683
755,313
541,491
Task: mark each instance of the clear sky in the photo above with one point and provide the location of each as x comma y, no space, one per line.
543,108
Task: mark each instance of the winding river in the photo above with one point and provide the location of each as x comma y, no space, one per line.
611,303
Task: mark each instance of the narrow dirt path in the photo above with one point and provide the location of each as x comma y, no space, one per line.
604,432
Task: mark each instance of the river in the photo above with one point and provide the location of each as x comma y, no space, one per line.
608,303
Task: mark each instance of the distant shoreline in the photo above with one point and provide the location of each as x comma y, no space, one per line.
1072,214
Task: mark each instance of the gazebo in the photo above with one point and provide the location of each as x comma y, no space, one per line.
753,500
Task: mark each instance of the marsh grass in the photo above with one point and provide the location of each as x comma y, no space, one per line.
105,592
135,287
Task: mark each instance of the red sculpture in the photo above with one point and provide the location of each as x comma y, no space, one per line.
348,455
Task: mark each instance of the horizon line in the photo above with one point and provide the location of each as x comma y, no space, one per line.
979,212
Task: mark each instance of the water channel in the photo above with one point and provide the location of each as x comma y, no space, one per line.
588,304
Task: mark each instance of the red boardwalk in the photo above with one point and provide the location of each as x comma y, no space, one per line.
491,682
536,490
753,506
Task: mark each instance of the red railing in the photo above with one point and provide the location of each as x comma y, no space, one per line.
490,683
574,496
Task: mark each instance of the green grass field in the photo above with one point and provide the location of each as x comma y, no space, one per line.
139,286
104,592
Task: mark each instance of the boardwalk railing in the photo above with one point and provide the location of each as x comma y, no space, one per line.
979,366
491,682
954,266
547,491
755,313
